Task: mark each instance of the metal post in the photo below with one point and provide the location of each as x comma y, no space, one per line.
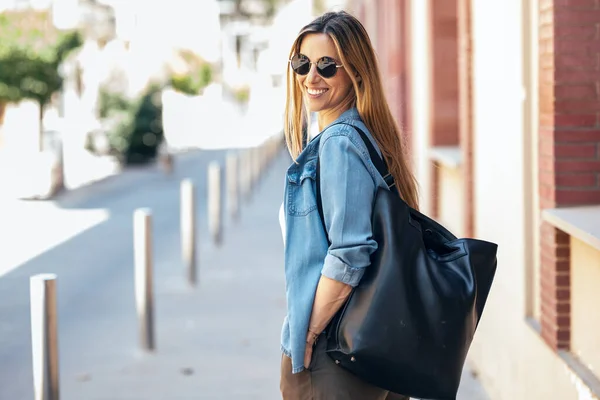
214,202
44,336
232,185
143,276
188,229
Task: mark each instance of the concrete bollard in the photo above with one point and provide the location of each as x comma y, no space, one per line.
144,297
44,336
251,170
246,173
166,161
256,164
270,149
188,230
264,158
214,202
165,158
232,185
259,160
253,167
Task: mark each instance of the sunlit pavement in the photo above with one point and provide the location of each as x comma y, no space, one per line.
28,229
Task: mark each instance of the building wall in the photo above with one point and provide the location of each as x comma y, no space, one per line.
585,262
420,97
500,204
507,147
512,138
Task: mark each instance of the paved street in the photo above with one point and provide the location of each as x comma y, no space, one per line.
218,341
223,330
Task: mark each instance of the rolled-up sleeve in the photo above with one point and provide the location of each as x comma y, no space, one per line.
347,192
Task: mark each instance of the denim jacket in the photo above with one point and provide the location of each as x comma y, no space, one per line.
348,185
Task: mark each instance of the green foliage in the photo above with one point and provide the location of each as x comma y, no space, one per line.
110,103
26,77
242,94
319,7
271,7
66,44
135,126
147,134
193,82
31,52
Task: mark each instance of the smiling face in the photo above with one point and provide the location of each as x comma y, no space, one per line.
329,97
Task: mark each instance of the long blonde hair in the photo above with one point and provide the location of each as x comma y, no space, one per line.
357,55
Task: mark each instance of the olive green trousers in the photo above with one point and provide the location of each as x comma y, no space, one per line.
324,380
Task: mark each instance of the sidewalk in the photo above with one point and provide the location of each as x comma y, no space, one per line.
218,341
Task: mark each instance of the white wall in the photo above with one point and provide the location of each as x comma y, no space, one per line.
512,360
451,199
585,325
421,96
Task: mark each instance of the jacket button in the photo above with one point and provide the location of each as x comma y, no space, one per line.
353,359
337,361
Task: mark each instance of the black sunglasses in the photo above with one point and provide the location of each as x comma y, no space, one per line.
326,66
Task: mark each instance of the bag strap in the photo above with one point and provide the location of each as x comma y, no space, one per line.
377,160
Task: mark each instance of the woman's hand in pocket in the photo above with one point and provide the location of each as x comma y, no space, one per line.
311,339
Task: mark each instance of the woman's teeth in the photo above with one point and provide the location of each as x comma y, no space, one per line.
315,92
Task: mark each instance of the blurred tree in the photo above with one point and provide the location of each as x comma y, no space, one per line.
319,7
31,53
270,7
135,128
193,75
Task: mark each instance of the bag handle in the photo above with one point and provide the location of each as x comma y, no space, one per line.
378,162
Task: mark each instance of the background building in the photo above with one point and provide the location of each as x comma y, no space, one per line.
500,105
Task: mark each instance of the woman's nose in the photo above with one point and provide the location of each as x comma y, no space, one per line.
313,75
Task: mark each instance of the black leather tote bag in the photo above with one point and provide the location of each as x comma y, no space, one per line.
408,325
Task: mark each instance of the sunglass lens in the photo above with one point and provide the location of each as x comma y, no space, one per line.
326,67
300,65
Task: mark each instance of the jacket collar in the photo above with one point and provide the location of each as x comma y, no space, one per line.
311,149
349,115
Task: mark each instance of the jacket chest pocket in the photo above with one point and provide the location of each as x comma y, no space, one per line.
302,197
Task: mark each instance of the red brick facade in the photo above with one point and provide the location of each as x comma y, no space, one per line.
405,69
569,146
445,104
445,108
392,42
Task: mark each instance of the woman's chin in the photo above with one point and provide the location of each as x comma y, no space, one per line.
314,106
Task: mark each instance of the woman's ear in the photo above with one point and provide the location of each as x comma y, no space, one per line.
358,78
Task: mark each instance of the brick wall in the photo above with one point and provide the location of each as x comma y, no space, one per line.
444,41
404,70
569,148
390,53
444,84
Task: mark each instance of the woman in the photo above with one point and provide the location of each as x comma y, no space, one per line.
332,72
